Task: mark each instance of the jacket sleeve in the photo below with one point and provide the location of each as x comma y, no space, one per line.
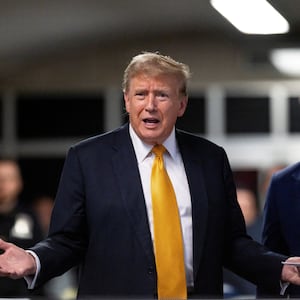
245,256
67,240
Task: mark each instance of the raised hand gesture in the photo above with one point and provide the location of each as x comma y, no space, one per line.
15,262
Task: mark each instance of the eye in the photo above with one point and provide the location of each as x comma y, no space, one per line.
162,96
140,95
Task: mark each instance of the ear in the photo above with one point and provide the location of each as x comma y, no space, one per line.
127,102
183,105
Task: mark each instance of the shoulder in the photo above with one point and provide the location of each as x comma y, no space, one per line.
288,172
197,142
99,149
103,142
104,138
202,152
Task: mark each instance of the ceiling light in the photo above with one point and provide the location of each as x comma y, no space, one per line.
252,16
287,61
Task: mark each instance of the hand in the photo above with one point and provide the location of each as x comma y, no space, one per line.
15,262
291,273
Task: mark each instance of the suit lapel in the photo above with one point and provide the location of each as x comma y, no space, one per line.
199,199
128,179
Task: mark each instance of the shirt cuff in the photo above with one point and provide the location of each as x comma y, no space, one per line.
31,280
283,287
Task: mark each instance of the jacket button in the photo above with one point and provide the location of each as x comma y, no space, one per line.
150,270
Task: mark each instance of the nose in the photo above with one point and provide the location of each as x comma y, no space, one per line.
151,103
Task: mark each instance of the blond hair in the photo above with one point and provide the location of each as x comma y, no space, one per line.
154,64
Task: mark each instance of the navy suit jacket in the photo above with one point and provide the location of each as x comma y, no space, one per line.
100,221
281,229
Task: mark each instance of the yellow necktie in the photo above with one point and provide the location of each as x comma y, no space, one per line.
169,254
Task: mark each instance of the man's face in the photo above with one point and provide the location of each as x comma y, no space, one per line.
10,182
153,105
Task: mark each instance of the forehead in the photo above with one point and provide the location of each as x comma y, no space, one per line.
159,81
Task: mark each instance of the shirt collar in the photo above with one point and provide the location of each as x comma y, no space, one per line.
143,150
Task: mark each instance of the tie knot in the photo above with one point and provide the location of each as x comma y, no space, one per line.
158,150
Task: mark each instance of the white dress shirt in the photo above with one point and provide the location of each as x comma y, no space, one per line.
176,171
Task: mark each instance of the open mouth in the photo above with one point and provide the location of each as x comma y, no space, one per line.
150,121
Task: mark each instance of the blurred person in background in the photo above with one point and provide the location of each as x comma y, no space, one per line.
18,223
281,226
251,211
235,285
63,287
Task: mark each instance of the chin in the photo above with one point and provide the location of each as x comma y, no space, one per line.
151,137
150,140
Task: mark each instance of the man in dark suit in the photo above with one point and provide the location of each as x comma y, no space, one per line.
103,219
281,216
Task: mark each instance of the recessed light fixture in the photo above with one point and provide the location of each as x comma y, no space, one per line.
286,60
252,16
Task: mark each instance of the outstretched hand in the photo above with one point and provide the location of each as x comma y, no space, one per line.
291,273
15,262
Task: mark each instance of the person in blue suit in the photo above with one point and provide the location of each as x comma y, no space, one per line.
102,218
281,216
